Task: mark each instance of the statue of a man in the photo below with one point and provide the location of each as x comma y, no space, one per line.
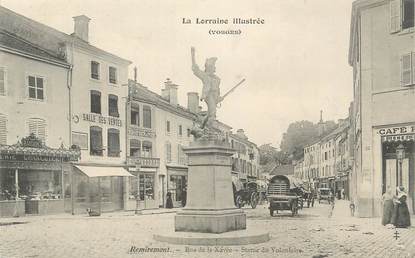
210,91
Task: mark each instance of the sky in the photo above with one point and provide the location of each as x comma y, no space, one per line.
295,64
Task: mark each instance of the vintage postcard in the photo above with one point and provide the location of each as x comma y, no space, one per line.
179,128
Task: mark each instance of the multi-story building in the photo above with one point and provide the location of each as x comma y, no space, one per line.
90,102
33,126
312,161
158,130
245,161
382,54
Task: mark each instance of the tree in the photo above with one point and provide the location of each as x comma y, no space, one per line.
298,135
270,155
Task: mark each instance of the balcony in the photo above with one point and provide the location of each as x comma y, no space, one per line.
143,162
134,130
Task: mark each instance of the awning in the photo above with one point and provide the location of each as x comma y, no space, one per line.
92,171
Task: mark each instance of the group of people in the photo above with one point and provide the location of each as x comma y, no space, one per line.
395,208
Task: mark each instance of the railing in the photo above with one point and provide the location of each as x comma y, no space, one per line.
134,130
144,162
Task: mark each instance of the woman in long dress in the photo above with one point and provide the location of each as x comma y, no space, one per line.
387,200
401,217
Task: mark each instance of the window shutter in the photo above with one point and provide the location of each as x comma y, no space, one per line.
3,129
37,127
2,81
395,16
406,70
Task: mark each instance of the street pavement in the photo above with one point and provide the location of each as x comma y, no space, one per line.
315,232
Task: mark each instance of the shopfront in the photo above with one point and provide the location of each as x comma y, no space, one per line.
177,185
142,188
99,188
32,178
398,160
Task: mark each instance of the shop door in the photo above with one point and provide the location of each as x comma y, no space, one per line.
392,175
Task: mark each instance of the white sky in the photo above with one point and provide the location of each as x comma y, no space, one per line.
294,65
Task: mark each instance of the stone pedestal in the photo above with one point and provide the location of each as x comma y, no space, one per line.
210,206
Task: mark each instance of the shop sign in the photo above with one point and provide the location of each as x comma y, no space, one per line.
105,120
22,157
397,130
396,138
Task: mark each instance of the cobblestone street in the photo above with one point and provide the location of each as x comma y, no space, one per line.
315,231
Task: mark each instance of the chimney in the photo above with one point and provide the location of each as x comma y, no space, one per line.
193,101
81,27
135,74
170,92
321,125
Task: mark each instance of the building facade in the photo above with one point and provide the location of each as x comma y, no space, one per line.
89,96
158,130
382,56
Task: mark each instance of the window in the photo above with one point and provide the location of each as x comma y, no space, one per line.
189,132
147,117
37,126
94,70
112,72
135,117
168,152
95,102
407,14
3,129
36,89
168,126
180,130
113,142
113,105
408,69
2,81
135,146
401,15
147,149
95,140
146,187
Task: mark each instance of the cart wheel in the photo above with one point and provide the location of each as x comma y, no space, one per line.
239,202
254,200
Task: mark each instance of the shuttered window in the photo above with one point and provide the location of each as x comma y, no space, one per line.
407,69
94,70
135,147
37,126
2,81
95,140
95,102
112,72
113,142
113,105
147,117
395,16
3,129
168,152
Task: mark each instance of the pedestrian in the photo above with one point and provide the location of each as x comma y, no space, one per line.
387,201
169,201
401,217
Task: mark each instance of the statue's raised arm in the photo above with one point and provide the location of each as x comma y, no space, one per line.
195,68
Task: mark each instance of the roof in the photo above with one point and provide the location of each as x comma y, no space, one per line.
283,170
138,92
10,41
44,36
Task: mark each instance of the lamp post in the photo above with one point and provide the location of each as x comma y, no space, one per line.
400,155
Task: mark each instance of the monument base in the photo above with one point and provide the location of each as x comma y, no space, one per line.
241,237
210,221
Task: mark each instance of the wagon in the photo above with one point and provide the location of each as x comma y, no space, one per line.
245,193
282,195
